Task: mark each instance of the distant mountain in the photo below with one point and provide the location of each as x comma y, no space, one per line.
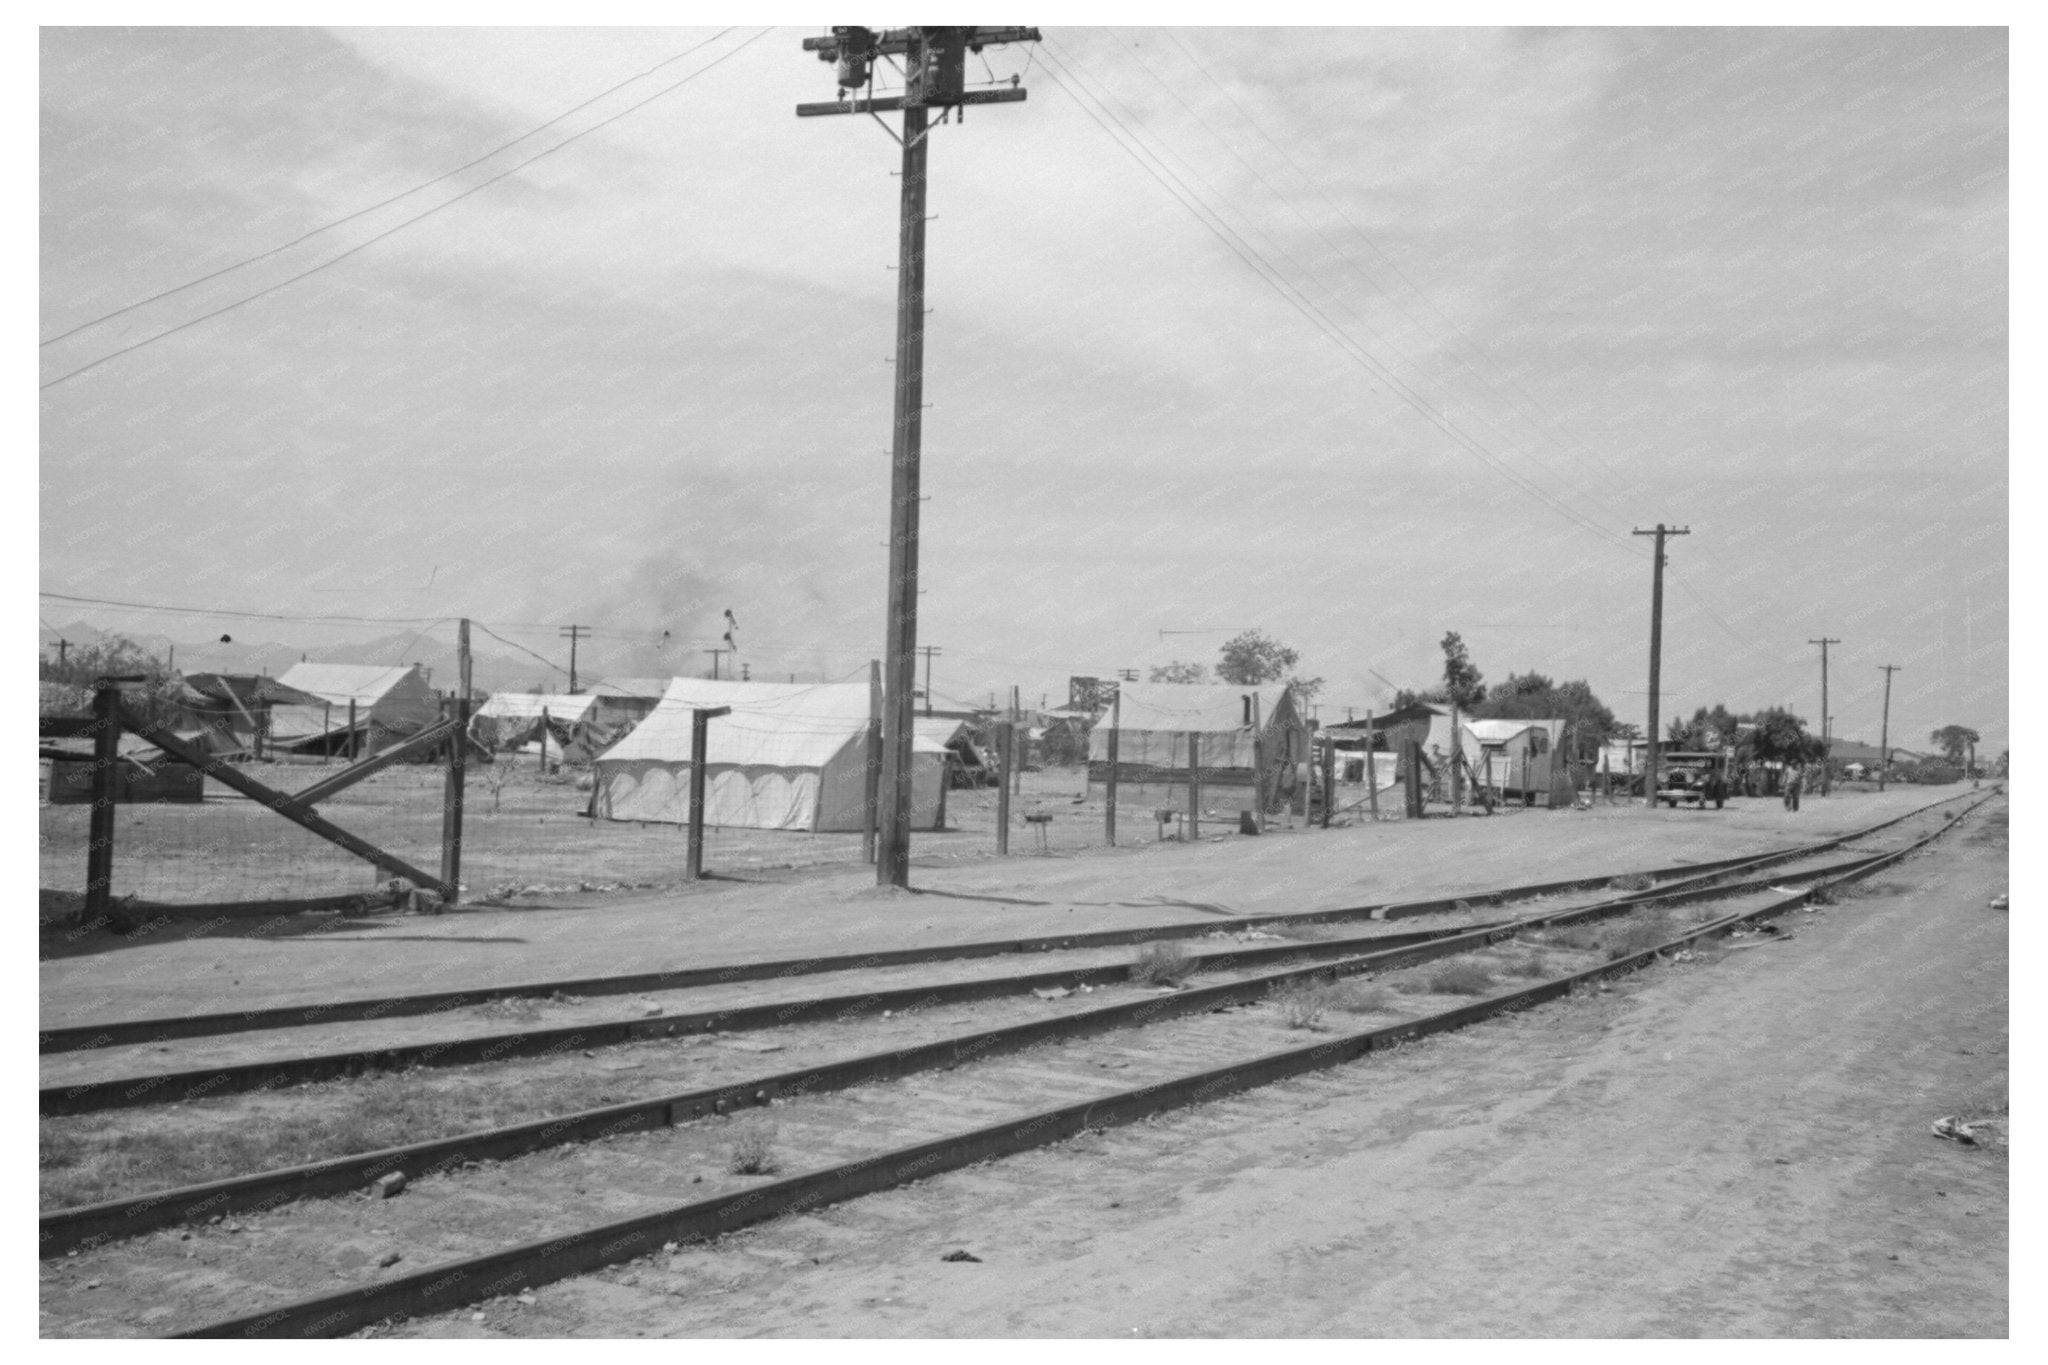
490,672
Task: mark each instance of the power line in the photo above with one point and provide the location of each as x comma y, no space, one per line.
1251,120
384,203
400,227
1300,302
1342,253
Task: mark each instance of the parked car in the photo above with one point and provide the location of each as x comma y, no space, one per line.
1693,778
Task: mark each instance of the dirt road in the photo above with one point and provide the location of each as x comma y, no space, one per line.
1738,1148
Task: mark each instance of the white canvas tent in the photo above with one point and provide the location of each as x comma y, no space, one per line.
390,703
512,720
790,756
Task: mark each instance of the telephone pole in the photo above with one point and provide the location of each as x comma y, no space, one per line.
1656,650
1884,732
716,655
934,77
928,651
572,634
1826,786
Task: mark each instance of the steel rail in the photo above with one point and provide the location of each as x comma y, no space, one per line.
451,1284
170,1087
87,1226
119,1033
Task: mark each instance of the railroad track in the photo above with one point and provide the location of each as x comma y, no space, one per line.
97,1084
483,1044
853,1140
128,1032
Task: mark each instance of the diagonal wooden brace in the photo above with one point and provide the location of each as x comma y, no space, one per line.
289,807
356,772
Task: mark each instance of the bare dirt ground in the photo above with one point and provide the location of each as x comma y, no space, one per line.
244,964
1731,1149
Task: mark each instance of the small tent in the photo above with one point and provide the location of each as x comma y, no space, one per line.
512,721
789,756
965,766
389,704
1234,728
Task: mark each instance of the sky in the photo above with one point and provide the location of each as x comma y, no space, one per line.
1355,336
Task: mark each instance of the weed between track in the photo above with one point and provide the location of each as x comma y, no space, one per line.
753,1151
1164,963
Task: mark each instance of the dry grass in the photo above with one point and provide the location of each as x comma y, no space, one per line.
753,1151
1302,1003
1580,937
1358,997
1165,963
1461,978
1634,881
1639,934
1530,964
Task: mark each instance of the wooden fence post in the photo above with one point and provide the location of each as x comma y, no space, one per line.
1372,770
353,751
873,782
1259,768
1330,779
1007,742
700,726
1194,786
458,771
106,759
1414,789
1116,702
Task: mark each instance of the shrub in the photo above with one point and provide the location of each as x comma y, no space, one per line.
1301,1003
1165,963
1461,978
753,1151
1634,881
1638,935
1582,937
1360,998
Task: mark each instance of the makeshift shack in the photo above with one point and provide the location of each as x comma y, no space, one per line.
1248,741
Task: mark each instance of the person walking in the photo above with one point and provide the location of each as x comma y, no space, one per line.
1795,781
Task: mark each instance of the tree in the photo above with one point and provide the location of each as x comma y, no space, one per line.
1255,657
1532,696
1953,739
1781,737
1712,727
1463,683
155,699
1178,672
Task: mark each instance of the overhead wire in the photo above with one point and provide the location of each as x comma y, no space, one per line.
1067,77
1252,121
1385,343
331,224
400,227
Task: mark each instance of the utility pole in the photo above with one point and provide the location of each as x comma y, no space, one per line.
1826,785
63,650
1656,651
1884,732
934,77
928,651
716,655
572,634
